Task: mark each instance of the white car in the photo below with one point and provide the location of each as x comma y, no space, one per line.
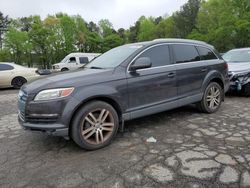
13,75
74,61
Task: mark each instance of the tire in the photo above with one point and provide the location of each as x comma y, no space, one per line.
213,94
64,69
18,82
87,126
246,89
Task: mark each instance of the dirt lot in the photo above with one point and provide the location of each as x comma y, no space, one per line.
192,150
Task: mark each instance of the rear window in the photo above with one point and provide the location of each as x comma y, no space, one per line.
206,54
185,53
84,60
4,67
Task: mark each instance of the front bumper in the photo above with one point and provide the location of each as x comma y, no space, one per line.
237,82
51,129
51,117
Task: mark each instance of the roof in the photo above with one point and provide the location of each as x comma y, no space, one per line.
173,40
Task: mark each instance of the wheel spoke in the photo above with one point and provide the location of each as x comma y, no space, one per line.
211,105
90,134
108,124
217,93
105,116
89,120
87,130
107,129
209,98
101,136
92,116
216,101
97,137
101,115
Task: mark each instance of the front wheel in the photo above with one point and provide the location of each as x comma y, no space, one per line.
212,98
95,125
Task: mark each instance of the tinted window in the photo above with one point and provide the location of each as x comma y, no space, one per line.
158,55
84,60
206,54
4,67
185,53
72,60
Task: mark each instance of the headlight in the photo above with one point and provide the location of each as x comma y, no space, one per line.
50,94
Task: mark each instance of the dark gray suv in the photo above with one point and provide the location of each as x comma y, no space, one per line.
124,83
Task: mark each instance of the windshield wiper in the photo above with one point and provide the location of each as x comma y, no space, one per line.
95,67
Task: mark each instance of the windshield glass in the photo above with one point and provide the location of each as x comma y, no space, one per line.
114,57
237,56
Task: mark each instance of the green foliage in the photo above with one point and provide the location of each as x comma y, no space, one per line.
147,29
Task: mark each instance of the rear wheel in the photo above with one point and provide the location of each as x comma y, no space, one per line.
95,125
18,82
64,69
212,98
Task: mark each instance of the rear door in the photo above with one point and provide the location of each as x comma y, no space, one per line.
190,69
151,86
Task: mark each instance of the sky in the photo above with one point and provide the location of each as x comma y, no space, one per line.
121,13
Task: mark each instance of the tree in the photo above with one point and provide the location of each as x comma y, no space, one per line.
147,29
185,19
165,29
18,43
4,22
106,27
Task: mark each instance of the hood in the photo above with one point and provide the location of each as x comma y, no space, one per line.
69,79
239,66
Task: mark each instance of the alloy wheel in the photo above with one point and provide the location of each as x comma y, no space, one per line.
213,98
97,126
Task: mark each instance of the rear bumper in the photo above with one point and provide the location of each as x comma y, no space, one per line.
51,129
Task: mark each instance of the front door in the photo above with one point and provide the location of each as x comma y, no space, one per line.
151,86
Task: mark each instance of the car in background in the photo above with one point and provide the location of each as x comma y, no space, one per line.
127,82
74,61
13,75
239,69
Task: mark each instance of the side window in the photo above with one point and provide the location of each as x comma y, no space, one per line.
206,54
4,67
159,55
84,60
185,53
72,60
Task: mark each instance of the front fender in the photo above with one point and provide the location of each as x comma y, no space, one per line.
91,92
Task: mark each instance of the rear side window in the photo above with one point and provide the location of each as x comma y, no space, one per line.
206,54
4,67
185,53
84,60
159,55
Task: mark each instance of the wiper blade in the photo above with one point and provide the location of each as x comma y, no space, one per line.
96,68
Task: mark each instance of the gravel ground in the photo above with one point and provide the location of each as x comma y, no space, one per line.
191,150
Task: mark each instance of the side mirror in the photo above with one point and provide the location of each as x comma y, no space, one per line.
141,63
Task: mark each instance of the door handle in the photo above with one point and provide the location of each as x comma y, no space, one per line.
171,75
204,70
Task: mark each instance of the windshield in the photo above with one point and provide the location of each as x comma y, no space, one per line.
114,57
237,56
